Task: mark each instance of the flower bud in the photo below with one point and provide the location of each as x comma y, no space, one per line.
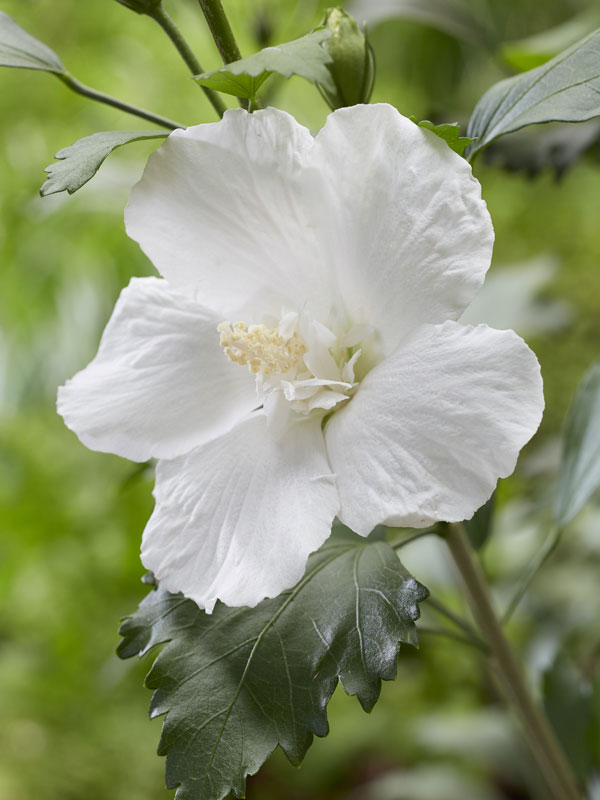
141,6
353,65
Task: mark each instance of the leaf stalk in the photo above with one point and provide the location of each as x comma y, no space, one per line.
160,16
93,94
540,736
221,32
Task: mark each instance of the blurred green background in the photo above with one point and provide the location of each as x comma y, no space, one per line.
74,717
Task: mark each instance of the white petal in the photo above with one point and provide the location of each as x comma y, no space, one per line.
433,427
222,209
160,383
236,519
408,230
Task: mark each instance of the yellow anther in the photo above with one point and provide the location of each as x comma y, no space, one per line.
262,349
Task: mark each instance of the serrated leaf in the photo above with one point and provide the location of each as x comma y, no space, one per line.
448,131
307,57
566,89
479,527
80,161
21,50
239,682
579,471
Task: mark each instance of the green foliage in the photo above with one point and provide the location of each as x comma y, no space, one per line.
567,703
307,57
141,6
19,49
353,63
239,682
479,527
449,16
579,474
449,132
537,50
79,162
566,89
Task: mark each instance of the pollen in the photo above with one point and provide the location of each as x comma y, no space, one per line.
264,350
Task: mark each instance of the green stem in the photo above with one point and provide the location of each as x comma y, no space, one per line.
86,91
534,567
541,738
461,623
413,538
222,34
185,51
450,634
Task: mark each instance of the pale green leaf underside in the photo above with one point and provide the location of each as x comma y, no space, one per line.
19,49
448,131
80,161
306,57
566,89
239,682
579,473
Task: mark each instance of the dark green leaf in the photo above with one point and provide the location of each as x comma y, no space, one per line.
19,49
479,526
566,89
239,682
579,472
80,161
449,132
567,703
307,57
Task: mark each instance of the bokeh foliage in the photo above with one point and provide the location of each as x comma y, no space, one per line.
75,720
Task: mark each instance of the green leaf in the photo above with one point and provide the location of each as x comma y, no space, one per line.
479,527
239,682
19,49
448,131
566,89
80,161
307,57
579,472
568,706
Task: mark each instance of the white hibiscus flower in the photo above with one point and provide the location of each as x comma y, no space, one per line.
300,356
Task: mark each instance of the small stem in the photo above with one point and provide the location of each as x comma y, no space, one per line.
461,623
186,52
449,634
543,742
86,91
534,567
409,539
222,34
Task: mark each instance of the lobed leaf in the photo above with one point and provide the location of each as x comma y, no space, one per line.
21,50
579,472
566,89
239,682
79,162
448,131
307,57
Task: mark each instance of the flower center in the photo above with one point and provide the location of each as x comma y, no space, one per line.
301,366
262,349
